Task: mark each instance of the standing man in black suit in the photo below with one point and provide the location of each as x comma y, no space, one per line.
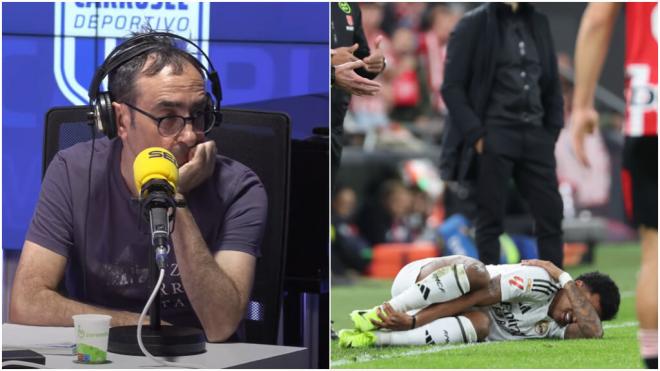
501,87
353,67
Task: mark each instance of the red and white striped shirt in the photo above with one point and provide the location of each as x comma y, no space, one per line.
641,63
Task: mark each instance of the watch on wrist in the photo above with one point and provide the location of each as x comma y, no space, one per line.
180,201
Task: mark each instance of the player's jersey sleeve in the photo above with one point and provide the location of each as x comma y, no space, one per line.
556,331
525,283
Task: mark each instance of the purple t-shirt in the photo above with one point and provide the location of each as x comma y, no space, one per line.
229,208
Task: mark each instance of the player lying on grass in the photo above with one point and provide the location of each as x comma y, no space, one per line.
457,299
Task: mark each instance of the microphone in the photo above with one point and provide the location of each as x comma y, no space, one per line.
156,174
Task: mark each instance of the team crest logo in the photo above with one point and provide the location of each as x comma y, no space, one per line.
541,327
345,7
86,32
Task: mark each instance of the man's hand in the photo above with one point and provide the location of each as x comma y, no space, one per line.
199,168
375,62
549,267
583,121
392,320
343,54
347,79
479,146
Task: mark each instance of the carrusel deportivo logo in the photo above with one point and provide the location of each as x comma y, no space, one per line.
86,32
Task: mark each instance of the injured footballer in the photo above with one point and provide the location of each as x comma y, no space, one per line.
457,299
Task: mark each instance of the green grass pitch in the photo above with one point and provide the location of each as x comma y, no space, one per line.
617,349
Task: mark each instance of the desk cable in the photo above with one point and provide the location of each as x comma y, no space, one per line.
139,331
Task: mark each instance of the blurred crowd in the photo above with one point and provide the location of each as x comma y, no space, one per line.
409,112
410,204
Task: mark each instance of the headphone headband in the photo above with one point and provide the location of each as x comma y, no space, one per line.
122,54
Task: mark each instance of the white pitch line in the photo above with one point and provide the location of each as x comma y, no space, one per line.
415,352
620,325
627,294
440,348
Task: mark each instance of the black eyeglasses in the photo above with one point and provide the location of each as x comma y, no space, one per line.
171,125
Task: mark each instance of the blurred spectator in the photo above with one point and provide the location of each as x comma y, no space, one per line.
407,100
433,49
349,250
418,218
384,219
343,204
585,186
409,112
403,15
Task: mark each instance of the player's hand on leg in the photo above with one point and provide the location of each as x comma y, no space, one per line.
549,267
392,320
383,323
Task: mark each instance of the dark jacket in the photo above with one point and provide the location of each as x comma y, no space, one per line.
346,30
469,74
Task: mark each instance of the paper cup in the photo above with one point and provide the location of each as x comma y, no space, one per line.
91,337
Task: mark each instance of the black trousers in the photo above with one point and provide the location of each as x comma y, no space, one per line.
336,146
339,106
524,154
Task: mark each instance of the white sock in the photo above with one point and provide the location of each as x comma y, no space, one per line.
648,342
447,330
445,284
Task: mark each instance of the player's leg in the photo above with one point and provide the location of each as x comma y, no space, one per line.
407,276
422,283
466,328
640,192
647,297
442,280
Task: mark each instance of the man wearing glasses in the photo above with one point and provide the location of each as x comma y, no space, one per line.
159,100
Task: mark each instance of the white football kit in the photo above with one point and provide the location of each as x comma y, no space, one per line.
523,312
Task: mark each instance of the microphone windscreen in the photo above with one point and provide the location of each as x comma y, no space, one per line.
155,163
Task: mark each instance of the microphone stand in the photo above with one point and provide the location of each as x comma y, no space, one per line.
159,340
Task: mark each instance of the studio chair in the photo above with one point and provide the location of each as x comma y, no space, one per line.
259,140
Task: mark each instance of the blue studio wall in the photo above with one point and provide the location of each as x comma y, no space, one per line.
262,51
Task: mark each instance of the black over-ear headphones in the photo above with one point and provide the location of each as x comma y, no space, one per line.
102,114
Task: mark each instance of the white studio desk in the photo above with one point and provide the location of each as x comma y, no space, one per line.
230,355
